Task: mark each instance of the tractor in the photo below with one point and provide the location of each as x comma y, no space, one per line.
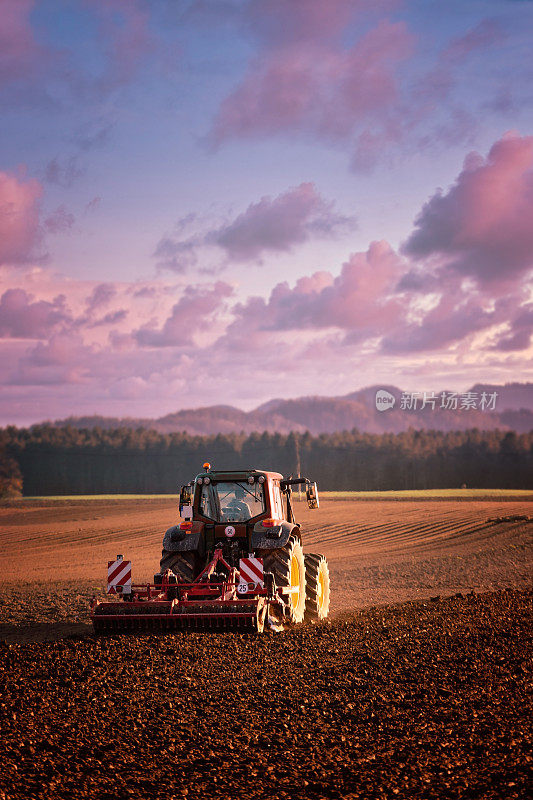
235,560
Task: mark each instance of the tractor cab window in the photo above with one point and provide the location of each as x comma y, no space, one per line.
232,502
277,505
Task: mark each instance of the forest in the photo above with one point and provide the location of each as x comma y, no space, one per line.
47,460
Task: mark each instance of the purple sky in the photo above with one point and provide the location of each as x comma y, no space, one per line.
225,201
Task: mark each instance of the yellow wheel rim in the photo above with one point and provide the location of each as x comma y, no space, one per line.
295,582
321,593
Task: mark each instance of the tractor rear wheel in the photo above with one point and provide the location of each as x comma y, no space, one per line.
288,567
317,587
183,564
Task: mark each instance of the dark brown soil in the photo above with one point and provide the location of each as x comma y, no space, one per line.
420,700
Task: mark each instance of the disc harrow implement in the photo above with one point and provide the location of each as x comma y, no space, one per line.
206,604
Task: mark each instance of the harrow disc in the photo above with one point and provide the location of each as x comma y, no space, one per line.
169,616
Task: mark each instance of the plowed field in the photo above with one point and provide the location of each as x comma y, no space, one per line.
54,553
420,699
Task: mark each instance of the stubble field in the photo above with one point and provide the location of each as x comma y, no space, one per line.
417,687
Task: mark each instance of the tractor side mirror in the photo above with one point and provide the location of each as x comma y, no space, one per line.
312,495
186,497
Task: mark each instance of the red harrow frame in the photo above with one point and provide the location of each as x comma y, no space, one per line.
207,603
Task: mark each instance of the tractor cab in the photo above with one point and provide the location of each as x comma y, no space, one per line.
242,497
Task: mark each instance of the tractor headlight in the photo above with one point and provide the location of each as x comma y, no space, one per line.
200,481
261,479
207,480
251,479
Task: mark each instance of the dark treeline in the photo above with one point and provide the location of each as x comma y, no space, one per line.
70,461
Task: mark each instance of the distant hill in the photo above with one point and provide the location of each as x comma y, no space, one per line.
513,411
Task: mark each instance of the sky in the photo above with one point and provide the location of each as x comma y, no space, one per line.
226,201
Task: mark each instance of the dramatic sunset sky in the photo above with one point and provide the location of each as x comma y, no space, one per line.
226,201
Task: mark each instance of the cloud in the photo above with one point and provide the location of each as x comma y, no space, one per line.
34,71
317,87
126,39
59,221
272,225
450,321
19,219
145,292
20,318
520,331
348,76
280,23
437,84
111,318
359,301
100,296
176,256
63,173
19,51
193,312
276,224
481,227
484,34
62,360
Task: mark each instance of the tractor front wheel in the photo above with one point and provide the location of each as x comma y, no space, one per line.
287,564
317,587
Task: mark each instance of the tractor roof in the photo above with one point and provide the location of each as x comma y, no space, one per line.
239,474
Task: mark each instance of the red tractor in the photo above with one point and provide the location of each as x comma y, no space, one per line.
235,560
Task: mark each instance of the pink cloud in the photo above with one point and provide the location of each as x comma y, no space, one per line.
100,296
273,224
520,332
309,77
279,22
450,321
316,86
192,313
126,38
359,301
436,86
175,255
19,219
485,34
19,51
482,226
145,291
111,318
62,360
21,318
276,224
28,69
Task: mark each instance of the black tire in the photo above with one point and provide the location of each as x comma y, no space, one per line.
280,562
183,564
317,587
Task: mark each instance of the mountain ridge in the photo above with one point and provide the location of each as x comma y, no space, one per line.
328,414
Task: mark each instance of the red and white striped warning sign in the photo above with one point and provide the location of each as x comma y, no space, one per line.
118,574
251,570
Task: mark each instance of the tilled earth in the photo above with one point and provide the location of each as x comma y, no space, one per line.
420,700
